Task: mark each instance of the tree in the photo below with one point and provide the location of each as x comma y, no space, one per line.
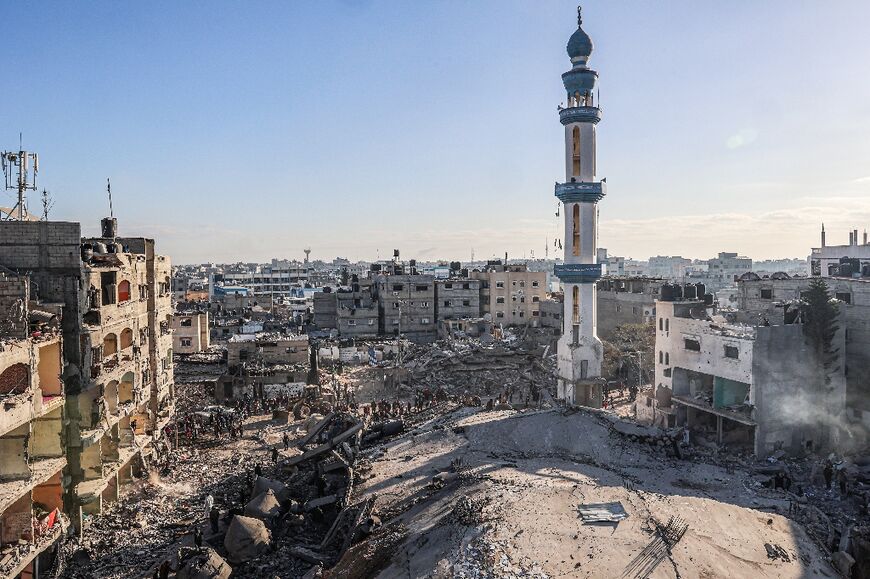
628,354
819,314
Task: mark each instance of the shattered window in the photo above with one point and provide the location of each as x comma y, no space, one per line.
692,345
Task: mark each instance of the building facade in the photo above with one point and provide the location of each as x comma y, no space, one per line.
406,306
579,350
457,298
190,332
117,348
756,387
624,301
32,443
776,299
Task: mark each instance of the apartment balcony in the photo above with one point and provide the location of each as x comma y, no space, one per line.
15,558
40,472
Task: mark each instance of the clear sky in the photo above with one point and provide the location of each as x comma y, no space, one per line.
250,130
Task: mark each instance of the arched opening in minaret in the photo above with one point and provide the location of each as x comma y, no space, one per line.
575,144
575,243
575,305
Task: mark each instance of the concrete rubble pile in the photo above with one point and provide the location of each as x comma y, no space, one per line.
519,368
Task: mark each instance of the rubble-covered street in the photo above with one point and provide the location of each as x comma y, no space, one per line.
448,484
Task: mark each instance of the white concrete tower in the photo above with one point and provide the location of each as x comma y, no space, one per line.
580,351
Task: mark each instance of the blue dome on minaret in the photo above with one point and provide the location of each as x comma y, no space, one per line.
579,45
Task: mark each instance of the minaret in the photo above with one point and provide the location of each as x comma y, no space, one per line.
823,235
580,351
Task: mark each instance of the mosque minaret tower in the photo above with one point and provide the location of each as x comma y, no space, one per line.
579,350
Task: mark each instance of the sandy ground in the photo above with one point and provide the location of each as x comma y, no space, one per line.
513,512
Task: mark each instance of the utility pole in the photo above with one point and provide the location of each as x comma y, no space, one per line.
20,169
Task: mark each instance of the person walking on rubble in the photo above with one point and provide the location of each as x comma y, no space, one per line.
842,480
209,503
258,470
828,472
214,516
274,455
286,439
197,539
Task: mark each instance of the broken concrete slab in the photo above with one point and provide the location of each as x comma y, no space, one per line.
205,565
263,506
246,539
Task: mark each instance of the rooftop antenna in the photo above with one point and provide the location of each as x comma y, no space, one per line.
47,204
27,166
109,191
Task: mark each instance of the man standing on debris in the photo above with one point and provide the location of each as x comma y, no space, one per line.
209,503
275,455
214,516
197,538
286,439
829,474
842,480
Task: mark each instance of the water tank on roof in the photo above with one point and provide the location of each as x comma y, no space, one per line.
702,290
109,227
87,251
667,292
413,263
678,291
464,272
845,270
100,248
708,299
690,292
865,270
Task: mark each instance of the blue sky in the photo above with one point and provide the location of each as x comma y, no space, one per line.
250,130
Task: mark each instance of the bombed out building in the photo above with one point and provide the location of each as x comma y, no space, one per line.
758,387
115,297
32,445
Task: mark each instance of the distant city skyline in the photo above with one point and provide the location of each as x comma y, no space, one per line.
246,132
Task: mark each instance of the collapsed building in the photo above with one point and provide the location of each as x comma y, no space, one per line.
763,388
115,297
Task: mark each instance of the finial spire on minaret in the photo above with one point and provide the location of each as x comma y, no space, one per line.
579,16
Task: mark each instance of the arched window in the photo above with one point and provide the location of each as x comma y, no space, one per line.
110,345
575,297
575,151
667,359
124,291
661,357
667,324
15,379
126,338
575,245
576,98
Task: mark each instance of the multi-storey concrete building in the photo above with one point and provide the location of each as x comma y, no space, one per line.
275,279
841,260
761,387
511,294
32,444
457,298
406,305
775,300
117,347
626,301
356,309
190,332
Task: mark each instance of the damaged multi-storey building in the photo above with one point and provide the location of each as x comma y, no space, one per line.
32,445
115,296
776,300
759,387
264,365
